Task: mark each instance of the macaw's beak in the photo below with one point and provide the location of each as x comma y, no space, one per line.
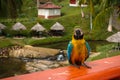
78,34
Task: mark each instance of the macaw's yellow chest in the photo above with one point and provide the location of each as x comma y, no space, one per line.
79,51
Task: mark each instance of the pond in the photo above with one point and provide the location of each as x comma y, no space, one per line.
12,66
63,45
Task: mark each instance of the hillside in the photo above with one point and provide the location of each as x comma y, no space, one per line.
71,17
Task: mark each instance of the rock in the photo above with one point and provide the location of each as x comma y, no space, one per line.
46,62
40,65
37,58
54,65
64,63
33,52
29,68
93,54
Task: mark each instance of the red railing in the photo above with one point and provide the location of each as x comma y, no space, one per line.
103,69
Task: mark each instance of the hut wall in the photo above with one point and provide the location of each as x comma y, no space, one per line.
42,11
49,13
54,12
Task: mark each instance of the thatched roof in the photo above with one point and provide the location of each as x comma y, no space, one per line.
2,26
18,26
38,28
114,38
57,26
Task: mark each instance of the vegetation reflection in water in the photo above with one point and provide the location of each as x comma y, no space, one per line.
11,66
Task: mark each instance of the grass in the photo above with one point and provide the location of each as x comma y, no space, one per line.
105,52
6,42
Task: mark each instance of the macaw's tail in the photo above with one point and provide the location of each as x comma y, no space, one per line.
76,62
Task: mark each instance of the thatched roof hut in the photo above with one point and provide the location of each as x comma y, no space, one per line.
2,26
114,38
18,26
38,28
57,26
57,29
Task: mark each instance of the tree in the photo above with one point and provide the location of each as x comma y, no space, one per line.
108,7
10,8
38,3
90,4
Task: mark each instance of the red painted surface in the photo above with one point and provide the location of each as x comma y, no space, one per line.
104,69
49,5
72,1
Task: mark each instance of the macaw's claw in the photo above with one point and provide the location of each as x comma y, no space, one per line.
86,66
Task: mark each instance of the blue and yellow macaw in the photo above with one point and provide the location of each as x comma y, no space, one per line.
78,49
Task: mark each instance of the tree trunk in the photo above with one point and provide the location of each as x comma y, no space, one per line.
110,24
91,25
38,3
82,13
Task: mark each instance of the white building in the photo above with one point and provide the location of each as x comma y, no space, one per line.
74,3
49,10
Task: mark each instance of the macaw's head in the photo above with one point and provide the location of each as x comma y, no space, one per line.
78,34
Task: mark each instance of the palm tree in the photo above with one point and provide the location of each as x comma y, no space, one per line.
38,3
10,8
90,4
108,7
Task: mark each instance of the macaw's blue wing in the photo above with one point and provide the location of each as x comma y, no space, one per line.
69,50
88,48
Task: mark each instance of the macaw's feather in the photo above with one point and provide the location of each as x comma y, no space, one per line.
78,51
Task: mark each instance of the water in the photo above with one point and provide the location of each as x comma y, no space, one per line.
12,66
63,45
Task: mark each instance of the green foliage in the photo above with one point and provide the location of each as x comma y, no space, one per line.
106,51
29,9
48,40
6,42
10,8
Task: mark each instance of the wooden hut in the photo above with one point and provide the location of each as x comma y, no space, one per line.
38,30
49,10
18,28
57,29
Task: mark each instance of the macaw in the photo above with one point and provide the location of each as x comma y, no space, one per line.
78,49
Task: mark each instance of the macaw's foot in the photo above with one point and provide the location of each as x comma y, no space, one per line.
86,66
